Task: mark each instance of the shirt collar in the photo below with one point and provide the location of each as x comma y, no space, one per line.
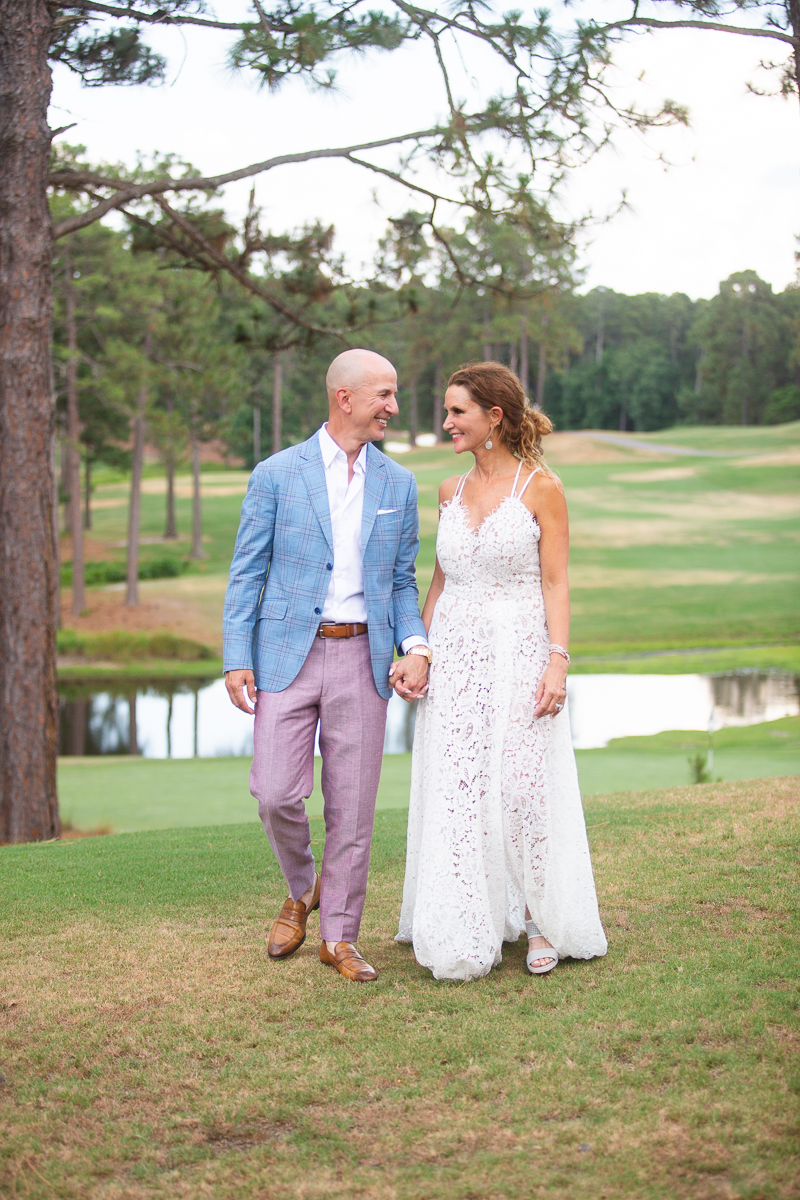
329,449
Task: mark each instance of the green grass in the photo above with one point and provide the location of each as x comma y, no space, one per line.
129,794
126,795
150,1048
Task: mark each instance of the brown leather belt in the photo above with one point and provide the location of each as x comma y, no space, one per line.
340,631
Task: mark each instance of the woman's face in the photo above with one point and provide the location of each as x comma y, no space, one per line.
468,424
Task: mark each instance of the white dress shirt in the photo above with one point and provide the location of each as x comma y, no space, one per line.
345,603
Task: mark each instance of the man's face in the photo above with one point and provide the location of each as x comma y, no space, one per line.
373,404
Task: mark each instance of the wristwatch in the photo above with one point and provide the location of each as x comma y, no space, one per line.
422,650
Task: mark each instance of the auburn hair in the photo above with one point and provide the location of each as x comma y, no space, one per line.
493,385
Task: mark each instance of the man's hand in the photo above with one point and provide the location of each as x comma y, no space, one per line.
409,677
236,682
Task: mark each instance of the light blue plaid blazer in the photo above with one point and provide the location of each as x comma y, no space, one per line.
284,549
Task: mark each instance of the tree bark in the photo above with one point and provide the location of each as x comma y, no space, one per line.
135,503
413,413
87,501
28,555
197,511
524,368
438,400
277,403
72,445
256,435
171,530
487,332
541,373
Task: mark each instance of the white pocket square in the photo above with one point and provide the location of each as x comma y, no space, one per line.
383,511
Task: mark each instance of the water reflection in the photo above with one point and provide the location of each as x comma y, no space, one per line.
182,718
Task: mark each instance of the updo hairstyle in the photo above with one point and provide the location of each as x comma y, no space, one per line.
493,385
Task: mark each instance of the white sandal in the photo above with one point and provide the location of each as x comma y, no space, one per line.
544,952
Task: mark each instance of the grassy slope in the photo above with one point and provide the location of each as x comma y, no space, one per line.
708,559
150,1049
127,795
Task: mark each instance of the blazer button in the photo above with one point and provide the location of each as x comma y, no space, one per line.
330,566
318,611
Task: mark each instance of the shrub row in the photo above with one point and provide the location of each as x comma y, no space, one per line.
102,571
120,646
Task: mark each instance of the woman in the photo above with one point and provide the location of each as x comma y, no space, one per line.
496,835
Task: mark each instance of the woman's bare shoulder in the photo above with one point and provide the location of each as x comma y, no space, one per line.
545,490
447,489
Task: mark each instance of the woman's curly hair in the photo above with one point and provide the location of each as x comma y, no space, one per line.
493,385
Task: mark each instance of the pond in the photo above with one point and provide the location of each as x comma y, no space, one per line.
185,718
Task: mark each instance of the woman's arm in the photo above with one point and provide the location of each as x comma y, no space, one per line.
550,509
434,592
446,493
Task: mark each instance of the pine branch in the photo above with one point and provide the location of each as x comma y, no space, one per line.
651,23
211,253
127,192
163,18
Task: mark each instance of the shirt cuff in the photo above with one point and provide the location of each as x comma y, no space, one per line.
414,640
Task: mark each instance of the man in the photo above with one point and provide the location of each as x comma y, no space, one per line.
321,589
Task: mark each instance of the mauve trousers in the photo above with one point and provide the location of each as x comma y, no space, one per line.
335,686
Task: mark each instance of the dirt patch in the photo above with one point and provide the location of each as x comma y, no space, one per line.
190,607
568,448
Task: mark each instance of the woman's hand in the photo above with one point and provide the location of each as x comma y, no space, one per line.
551,693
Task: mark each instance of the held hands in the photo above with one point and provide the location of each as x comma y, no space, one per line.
236,682
409,677
552,690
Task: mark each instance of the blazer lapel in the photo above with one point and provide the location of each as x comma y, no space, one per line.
374,481
314,479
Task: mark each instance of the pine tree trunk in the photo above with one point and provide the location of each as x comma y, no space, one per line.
438,400
197,512
413,414
28,556
135,504
277,403
72,446
137,463
524,367
87,502
171,530
256,435
541,375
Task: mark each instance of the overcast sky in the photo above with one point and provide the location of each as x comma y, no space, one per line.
728,200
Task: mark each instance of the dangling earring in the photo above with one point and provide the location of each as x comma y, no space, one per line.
489,443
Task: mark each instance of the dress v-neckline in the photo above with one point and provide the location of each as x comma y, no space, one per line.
474,530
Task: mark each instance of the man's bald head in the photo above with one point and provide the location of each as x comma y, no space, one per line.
362,398
353,368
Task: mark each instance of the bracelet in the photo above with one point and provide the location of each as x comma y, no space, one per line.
554,649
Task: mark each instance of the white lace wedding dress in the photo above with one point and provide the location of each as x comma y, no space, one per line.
495,819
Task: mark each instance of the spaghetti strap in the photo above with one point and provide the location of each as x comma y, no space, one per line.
460,485
516,478
527,481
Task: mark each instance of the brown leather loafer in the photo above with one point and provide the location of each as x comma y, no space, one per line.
289,931
348,962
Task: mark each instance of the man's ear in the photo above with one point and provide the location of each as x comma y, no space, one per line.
343,400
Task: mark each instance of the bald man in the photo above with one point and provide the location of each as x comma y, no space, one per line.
322,588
